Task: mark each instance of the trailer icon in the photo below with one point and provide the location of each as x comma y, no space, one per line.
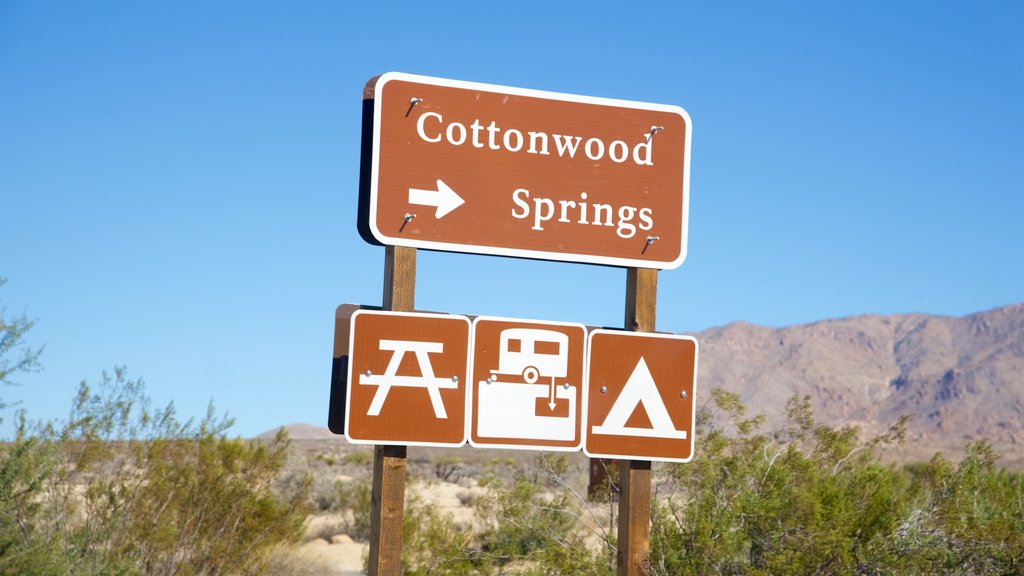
532,353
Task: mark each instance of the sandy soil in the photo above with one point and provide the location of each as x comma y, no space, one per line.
444,478
336,554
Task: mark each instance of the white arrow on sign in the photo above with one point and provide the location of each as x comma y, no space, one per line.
444,199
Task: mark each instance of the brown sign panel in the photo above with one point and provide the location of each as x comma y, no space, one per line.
487,169
640,396
527,384
407,379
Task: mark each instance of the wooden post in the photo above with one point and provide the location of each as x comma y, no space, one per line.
641,299
387,509
634,541
634,538
399,278
387,500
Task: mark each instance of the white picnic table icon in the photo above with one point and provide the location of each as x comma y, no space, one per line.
426,379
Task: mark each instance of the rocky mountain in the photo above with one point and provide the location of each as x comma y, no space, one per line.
961,379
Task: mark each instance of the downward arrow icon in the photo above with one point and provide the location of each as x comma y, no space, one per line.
444,199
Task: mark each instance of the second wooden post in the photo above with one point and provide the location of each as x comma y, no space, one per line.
634,533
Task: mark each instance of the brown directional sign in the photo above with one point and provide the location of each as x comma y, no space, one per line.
407,378
468,167
641,396
527,384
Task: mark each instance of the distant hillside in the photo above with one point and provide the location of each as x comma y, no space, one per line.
961,378
301,432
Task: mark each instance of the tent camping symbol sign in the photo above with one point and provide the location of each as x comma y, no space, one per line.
640,396
407,378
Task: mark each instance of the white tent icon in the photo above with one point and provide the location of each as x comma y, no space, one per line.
640,389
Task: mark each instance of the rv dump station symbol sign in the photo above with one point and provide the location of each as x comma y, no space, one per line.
641,396
407,379
527,384
486,169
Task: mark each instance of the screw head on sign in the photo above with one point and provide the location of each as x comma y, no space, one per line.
414,101
409,217
682,394
566,385
604,389
652,239
368,373
455,378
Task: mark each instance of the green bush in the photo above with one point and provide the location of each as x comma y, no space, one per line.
811,499
121,489
352,500
15,355
522,528
433,544
359,458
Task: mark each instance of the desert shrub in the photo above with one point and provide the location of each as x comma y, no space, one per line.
802,499
432,543
327,459
358,458
207,500
15,355
446,468
523,527
25,546
535,530
812,499
352,501
968,518
122,489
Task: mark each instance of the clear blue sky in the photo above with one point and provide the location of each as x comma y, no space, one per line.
178,180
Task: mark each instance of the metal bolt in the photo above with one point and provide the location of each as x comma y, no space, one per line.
652,239
656,129
409,217
414,101
368,374
455,378
682,394
604,389
566,385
